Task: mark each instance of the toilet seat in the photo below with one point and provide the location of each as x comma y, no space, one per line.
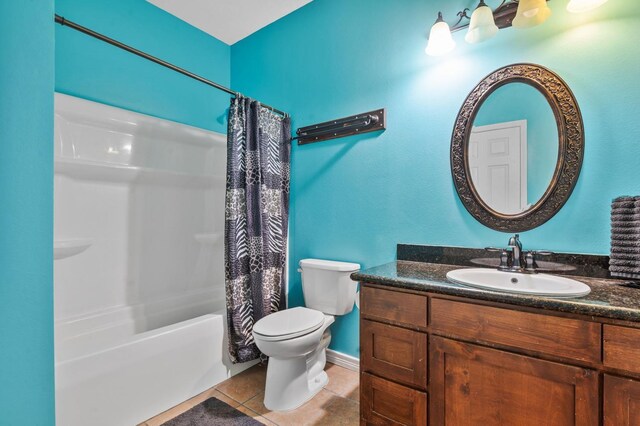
288,324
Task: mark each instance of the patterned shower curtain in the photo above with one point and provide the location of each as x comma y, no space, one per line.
256,218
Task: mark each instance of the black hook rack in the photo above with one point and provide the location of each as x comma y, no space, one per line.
372,121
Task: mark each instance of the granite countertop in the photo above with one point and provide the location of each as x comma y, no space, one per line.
609,298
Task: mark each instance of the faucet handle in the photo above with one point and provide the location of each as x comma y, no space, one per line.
505,256
530,259
530,264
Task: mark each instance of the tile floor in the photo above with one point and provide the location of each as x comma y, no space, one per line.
337,404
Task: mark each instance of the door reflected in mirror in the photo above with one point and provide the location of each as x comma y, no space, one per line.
513,148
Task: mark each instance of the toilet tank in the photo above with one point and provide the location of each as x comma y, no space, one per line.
327,287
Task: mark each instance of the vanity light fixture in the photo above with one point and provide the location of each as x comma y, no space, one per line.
579,6
482,26
440,40
531,13
484,22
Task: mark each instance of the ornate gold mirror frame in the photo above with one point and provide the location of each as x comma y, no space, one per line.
571,147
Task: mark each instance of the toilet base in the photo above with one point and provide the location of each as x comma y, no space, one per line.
293,381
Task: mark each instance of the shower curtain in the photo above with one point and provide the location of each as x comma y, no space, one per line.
256,219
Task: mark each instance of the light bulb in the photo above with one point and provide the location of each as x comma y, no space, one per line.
579,6
440,39
531,13
482,26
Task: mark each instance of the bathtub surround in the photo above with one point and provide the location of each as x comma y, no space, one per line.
139,315
357,198
26,209
256,220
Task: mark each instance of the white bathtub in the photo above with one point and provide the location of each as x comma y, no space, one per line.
139,269
143,376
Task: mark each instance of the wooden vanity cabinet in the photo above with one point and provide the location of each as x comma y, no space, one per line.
444,360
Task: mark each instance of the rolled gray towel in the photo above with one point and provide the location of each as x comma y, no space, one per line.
623,261
625,232
625,238
618,274
625,250
631,236
626,253
625,210
628,205
625,217
623,228
626,200
631,243
624,266
618,255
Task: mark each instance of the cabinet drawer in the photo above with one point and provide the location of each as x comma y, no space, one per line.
622,348
564,337
396,307
387,403
394,353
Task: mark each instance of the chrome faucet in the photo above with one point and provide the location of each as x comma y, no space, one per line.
517,257
514,259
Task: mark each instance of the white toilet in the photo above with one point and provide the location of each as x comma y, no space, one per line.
296,339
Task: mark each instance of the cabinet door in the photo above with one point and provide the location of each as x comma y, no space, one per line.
474,385
621,401
394,353
386,403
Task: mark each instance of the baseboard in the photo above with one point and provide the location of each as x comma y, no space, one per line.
343,360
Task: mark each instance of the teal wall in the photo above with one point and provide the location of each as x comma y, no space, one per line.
519,101
26,212
356,198
91,69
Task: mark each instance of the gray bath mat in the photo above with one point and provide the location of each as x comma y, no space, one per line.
212,412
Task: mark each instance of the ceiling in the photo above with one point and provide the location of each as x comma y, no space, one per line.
229,20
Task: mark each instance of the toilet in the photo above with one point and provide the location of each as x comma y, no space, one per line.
296,339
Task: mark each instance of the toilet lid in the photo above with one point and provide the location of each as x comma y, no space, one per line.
289,323
330,265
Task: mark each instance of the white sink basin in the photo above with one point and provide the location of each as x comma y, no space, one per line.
511,282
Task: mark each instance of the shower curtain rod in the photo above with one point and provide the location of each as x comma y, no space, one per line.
65,22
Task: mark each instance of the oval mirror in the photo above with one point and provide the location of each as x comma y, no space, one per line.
517,148
513,148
